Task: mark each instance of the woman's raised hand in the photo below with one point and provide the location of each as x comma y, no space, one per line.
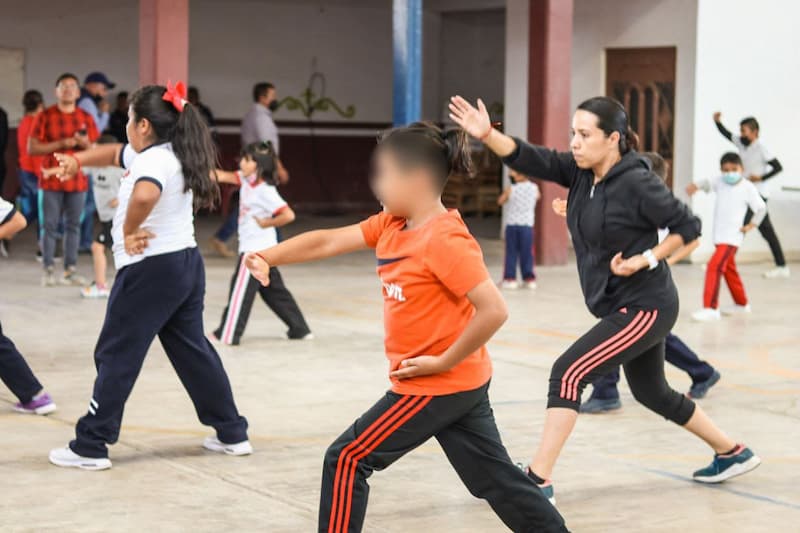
474,121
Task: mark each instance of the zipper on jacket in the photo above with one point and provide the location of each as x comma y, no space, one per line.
591,193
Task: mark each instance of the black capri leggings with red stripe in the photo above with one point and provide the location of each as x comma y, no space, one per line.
633,338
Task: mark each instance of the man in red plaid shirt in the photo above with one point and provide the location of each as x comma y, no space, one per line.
65,128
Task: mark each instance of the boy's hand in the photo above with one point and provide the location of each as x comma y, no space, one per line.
82,141
423,365
691,189
560,207
113,203
136,242
628,267
258,267
717,116
755,178
69,143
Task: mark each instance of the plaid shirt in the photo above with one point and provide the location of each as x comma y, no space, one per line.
53,125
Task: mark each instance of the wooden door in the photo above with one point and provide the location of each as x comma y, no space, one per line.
643,79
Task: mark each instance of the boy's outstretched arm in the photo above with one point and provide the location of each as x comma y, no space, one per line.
490,313
309,246
722,129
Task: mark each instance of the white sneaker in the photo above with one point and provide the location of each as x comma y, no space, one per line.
67,458
778,272
509,284
737,310
240,448
93,292
706,315
49,278
71,277
531,285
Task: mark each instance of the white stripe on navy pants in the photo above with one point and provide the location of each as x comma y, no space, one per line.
161,295
240,302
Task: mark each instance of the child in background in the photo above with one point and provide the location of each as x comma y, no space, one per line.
520,202
440,309
605,395
14,371
734,196
759,166
106,181
261,211
29,165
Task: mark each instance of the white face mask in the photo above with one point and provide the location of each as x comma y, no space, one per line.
731,178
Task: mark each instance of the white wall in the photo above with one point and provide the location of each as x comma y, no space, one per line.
742,77
76,36
601,24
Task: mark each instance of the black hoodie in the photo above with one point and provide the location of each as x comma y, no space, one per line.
622,213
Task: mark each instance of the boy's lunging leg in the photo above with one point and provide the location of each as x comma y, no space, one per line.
714,272
678,354
734,281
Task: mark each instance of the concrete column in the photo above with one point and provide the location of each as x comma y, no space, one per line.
549,113
163,41
407,42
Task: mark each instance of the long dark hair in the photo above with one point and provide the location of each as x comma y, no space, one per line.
263,153
190,138
424,144
611,117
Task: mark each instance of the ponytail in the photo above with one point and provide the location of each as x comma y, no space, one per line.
629,141
611,117
424,144
190,137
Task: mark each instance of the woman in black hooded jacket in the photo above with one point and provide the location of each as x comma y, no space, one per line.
615,207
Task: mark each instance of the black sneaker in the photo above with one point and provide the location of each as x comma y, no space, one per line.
699,390
597,406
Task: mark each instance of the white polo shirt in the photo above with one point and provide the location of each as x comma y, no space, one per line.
172,218
258,200
754,160
731,206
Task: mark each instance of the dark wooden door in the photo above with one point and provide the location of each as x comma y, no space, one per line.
643,79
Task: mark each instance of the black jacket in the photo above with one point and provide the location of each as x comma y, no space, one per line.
622,213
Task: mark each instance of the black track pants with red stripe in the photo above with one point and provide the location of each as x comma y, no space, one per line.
464,425
630,337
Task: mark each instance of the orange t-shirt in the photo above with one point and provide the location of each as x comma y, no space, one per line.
426,273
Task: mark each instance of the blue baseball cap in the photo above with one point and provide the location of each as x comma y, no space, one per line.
99,77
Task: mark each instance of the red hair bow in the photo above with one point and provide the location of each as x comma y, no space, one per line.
176,95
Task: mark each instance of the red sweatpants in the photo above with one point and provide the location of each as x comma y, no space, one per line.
723,263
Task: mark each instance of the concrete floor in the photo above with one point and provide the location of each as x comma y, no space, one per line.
623,472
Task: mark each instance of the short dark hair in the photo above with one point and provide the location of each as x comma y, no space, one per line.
193,89
657,164
261,89
67,76
750,122
31,100
730,157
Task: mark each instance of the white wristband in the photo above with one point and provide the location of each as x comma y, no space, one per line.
651,258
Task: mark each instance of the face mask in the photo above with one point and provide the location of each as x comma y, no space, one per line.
731,178
745,141
273,105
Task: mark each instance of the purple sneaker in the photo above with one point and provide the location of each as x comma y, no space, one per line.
41,404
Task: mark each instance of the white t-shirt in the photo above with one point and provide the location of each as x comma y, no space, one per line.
522,203
263,201
754,160
105,187
731,206
172,218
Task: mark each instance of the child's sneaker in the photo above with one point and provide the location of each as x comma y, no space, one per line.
547,487
723,467
93,292
41,404
49,278
71,277
509,284
778,272
600,405
304,337
737,310
240,448
530,284
68,459
706,315
699,390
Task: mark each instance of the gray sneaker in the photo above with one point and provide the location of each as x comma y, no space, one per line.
49,278
71,277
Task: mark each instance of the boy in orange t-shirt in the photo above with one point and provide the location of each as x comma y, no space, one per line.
440,309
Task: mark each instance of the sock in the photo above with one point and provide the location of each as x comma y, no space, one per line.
731,451
534,477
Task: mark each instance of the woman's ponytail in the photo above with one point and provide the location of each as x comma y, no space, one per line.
629,141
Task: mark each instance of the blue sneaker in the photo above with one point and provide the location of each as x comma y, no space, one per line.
724,467
597,405
546,487
699,390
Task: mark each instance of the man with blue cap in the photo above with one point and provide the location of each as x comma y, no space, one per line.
93,98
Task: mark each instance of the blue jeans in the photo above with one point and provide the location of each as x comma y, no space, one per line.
229,226
70,205
519,249
676,353
87,220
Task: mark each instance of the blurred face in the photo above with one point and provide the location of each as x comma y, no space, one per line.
247,166
67,91
730,168
268,98
590,145
97,89
748,133
397,187
140,132
122,101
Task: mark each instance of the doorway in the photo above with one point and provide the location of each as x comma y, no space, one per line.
643,79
